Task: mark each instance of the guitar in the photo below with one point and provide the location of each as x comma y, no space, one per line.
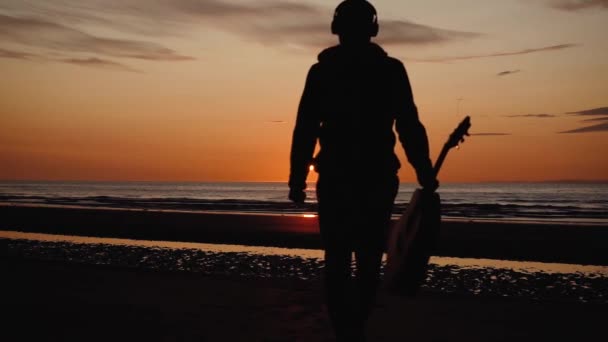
415,234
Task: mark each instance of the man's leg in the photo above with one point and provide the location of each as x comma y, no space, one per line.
368,256
370,241
336,232
337,288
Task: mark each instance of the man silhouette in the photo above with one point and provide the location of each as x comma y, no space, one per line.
352,98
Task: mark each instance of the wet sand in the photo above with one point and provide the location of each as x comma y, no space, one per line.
547,242
539,282
56,301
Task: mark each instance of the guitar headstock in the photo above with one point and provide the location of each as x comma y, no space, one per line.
459,133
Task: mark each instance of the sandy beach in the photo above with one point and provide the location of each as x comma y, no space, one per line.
57,291
65,302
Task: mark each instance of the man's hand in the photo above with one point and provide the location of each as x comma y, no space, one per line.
297,195
428,182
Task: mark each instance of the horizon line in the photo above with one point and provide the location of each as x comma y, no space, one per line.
589,181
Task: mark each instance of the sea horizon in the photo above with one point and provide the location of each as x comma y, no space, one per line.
578,202
550,181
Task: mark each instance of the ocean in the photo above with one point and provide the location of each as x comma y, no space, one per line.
563,202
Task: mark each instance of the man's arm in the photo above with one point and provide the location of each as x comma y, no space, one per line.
412,133
305,136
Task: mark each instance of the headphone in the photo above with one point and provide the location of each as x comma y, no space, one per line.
343,20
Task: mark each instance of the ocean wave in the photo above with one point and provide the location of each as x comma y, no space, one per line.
523,210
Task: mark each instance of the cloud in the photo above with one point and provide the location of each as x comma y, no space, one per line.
597,119
508,72
575,5
314,33
90,62
532,116
496,54
594,111
4,53
602,127
224,8
99,63
49,35
406,32
490,134
271,22
276,121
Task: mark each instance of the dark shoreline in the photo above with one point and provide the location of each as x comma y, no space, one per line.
528,241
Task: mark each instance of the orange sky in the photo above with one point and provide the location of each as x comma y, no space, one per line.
190,90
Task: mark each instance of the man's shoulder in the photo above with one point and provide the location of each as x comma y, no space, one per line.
333,57
315,70
394,63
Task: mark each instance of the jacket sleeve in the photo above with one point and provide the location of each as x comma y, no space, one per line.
306,132
412,133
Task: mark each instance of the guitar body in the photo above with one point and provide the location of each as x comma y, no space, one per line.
414,236
411,242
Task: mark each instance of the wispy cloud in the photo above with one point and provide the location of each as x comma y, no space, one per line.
575,5
88,62
276,121
594,111
508,72
490,134
496,54
230,8
270,22
6,53
406,32
532,116
597,119
314,33
52,36
99,63
602,127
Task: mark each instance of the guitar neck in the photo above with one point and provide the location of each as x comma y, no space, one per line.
440,159
455,138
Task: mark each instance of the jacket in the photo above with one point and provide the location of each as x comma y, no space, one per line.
351,101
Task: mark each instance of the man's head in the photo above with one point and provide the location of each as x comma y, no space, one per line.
355,21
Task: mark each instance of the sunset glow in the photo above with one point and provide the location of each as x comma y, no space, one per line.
208,91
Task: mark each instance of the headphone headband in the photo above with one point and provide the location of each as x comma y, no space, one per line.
349,12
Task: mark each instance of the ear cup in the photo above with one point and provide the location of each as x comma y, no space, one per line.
374,27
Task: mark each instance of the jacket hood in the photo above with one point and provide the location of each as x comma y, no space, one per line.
339,53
